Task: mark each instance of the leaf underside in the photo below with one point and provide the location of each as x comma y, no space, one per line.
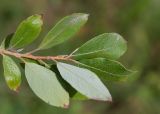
84,81
45,85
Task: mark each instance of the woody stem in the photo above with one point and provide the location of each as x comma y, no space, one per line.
30,56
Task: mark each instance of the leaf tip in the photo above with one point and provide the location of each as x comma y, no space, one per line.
83,16
16,89
86,16
109,99
42,15
65,106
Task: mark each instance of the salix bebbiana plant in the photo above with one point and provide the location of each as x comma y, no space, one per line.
78,75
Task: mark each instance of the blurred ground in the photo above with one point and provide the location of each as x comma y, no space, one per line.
138,21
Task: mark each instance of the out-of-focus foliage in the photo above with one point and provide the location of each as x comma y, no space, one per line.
136,20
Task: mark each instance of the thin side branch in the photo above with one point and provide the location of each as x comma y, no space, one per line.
30,56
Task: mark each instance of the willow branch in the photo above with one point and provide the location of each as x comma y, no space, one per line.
30,56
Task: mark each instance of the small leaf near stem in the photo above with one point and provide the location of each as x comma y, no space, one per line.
12,73
27,32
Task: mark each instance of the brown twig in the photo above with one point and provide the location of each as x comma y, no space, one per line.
30,56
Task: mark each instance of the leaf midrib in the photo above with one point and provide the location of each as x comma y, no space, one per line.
113,74
78,76
55,92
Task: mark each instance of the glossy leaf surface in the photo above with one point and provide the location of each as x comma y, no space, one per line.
27,31
110,70
64,30
107,45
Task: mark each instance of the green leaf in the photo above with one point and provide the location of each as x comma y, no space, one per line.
27,31
107,45
72,92
45,85
109,70
64,30
65,84
6,42
12,73
84,81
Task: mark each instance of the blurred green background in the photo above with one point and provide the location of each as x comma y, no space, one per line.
138,21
